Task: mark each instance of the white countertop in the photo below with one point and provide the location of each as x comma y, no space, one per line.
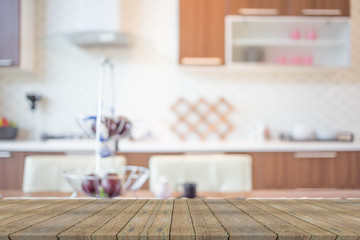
172,147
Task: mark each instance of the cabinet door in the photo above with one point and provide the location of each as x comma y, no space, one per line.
326,170
272,170
9,32
11,170
202,32
258,7
306,170
320,7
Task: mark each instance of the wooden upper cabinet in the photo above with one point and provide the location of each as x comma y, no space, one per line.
9,32
202,33
320,7
258,7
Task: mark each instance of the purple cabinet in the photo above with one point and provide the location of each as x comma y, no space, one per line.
9,33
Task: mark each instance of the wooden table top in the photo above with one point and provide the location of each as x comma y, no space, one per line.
268,193
179,219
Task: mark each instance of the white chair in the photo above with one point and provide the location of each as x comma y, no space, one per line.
43,173
211,172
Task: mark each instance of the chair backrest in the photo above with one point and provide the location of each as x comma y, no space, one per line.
44,173
211,172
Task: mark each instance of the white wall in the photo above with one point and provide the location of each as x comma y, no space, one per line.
149,80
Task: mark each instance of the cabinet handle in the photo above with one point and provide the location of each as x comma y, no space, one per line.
321,12
315,154
5,154
6,62
201,61
259,11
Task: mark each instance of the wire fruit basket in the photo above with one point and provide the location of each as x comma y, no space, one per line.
107,184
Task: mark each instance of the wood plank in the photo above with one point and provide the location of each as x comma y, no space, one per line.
347,202
181,225
7,229
160,229
317,233
8,201
330,221
279,227
116,224
84,229
52,227
334,206
22,206
206,225
19,217
236,222
138,226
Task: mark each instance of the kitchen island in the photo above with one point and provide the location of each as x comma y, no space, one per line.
179,219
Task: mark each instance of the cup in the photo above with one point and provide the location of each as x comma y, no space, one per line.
296,60
295,34
189,189
281,60
308,60
311,35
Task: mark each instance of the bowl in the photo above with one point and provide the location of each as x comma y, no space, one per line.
118,127
8,132
326,135
108,183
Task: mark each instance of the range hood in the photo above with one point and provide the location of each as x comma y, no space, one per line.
87,22
98,38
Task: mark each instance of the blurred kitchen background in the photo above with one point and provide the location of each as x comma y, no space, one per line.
149,80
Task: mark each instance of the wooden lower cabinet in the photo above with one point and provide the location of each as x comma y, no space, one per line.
272,170
290,170
11,169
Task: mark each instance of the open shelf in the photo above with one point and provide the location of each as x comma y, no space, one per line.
261,41
287,42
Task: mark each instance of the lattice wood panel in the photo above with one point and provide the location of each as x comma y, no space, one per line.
202,118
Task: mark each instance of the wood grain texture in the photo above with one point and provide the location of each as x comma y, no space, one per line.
160,228
317,233
89,219
7,229
52,204
283,229
202,29
236,222
330,221
21,206
84,229
296,6
49,229
280,5
138,226
284,171
116,224
206,225
12,168
335,206
181,226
